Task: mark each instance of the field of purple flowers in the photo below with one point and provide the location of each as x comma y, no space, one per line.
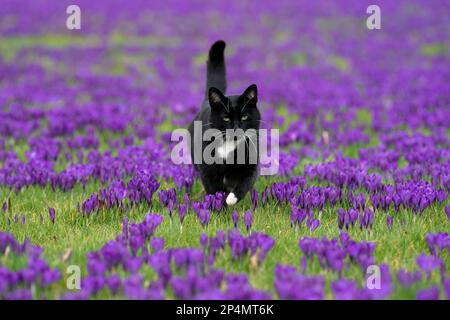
86,177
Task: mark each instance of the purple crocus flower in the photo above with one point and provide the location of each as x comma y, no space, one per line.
344,289
182,210
248,220
428,263
49,276
157,244
447,211
203,240
254,197
408,278
149,224
431,293
163,197
397,202
342,218
294,216
389,221
113,283
446,284
51,212
265,196
438,242
204,217
265,244
312,224
220,237
19,294
237,244
294,286
302,215
125,227
218,201
170,206
136,239
304,263
367,219
353,216
196,206
235,217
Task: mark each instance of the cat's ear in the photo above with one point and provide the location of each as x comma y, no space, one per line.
216,98
251,94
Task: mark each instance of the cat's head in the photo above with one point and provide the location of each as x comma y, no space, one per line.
234,112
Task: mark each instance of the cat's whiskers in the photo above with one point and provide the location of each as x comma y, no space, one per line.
256,151
219,134
250,139
251,135
246,143
251,131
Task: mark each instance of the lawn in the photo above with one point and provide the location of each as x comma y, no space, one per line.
88,115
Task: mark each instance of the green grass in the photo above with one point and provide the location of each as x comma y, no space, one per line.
398,247
299,58
9,46
340,63
435,49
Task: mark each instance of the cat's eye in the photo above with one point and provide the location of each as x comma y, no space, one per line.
226,119
244,118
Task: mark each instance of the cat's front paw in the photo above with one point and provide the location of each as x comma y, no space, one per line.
231,199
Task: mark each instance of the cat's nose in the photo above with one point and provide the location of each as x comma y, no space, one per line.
236,125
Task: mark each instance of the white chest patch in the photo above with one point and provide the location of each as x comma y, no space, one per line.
225,149
228,147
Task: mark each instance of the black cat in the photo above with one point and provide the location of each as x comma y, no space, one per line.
227,112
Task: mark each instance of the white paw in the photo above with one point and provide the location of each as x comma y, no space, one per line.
231,199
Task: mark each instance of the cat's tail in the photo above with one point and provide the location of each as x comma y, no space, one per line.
215,68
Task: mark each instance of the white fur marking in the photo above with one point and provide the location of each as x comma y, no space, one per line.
231,199
226,149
